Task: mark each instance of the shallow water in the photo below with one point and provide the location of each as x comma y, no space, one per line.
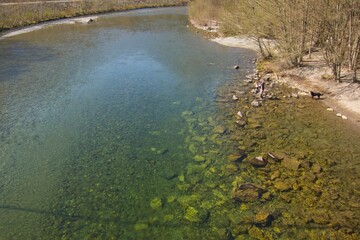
125,129
91,125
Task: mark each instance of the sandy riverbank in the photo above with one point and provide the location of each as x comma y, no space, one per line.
343,98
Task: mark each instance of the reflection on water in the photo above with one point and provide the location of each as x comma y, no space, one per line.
125,129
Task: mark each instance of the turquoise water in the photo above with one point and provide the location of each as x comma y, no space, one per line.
95,126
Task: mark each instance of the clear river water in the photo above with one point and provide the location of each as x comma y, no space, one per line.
91,125
125,129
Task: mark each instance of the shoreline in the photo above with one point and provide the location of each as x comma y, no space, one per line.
84,19
343,98
95,13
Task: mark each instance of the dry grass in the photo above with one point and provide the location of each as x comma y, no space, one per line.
25,14
205,11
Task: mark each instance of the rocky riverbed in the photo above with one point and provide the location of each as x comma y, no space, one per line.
279,169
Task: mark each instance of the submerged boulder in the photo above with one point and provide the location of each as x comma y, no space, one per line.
258,161
291,164
247,192
196,215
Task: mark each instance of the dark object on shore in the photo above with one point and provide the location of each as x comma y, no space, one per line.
315,94
236,67
90,20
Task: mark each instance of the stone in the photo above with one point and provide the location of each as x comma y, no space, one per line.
291,164
235,98
266,196
240,123
281,186
187,200
199,158
236,67
344,117
263,218
196,215
320,217
255,103
141,226
316,168
330,109
275,157
236,157
258,161
256,233
220,129
274,175
246,192
156,203
239,113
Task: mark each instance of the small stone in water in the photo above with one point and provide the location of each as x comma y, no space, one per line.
344,117
255,103
235,98
330,109
338,115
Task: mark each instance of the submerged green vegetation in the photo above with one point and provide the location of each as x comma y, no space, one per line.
25,14
306,188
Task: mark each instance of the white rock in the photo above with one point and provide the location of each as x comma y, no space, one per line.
235,98
239,113
344,117
338,115
255,103
330,109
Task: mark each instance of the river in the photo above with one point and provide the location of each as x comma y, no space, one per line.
127,128
91,121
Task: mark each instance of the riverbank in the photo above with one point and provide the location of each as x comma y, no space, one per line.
343,98
15,15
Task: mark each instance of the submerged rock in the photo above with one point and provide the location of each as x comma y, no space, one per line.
196,215
255,103
263,218
275,157
258,161
199,158
282,186
236,157
156,203
291,164
220,129
241,123
246,192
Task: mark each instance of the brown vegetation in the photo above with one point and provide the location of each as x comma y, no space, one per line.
295,26
25,14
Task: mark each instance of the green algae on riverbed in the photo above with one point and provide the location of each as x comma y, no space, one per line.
308,189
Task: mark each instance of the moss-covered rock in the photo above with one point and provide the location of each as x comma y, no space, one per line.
156,203
196,215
